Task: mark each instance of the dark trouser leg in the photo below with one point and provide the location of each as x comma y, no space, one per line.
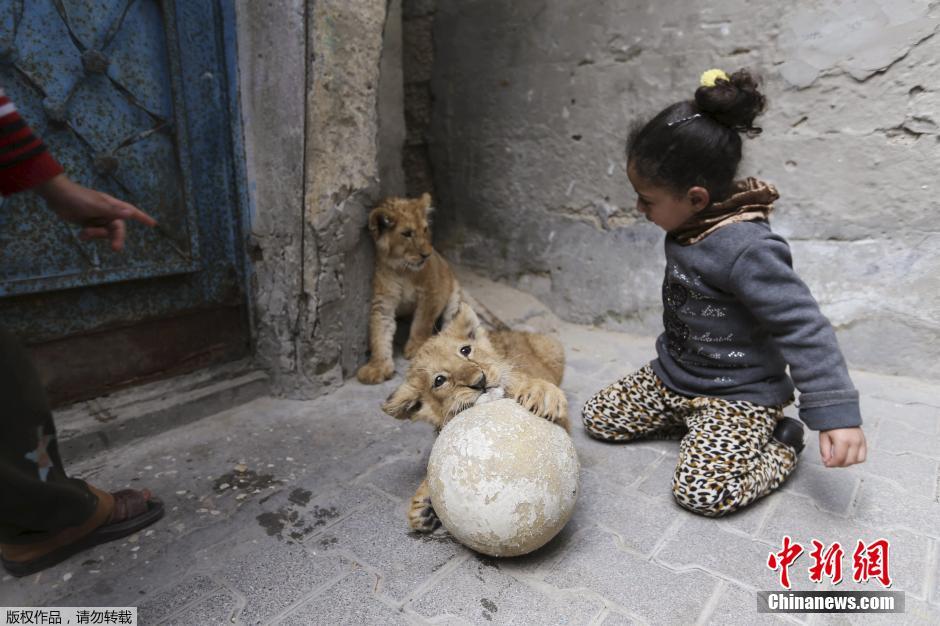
37,498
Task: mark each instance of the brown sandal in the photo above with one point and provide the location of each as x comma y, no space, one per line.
131,511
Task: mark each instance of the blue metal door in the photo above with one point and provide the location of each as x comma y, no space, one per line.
134,98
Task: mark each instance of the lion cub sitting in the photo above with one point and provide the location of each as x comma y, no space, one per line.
465,365
410,278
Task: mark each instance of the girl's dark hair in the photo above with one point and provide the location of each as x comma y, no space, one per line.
679,149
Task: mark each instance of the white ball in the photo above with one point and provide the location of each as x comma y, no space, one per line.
503,481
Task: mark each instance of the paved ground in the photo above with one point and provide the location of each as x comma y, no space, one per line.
293,513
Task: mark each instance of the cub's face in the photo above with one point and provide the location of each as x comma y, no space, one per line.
399,227
451,372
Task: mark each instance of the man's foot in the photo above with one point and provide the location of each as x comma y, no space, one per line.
789,432
118,514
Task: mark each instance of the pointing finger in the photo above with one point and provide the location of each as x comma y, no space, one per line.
117,231
128,211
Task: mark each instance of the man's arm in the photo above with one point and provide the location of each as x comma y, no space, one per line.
25,164
24,160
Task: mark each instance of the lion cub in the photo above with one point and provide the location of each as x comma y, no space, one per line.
465,365
410,278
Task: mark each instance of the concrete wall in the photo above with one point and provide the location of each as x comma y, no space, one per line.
271,71
391,105
417,66
312,97
533,102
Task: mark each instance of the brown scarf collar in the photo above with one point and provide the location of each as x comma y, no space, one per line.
750,199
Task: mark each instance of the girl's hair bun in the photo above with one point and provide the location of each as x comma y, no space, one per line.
734,102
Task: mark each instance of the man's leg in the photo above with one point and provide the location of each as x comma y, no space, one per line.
45,516
37,498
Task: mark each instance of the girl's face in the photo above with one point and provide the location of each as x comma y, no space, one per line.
663,206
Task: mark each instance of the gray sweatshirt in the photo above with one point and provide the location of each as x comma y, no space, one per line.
736,314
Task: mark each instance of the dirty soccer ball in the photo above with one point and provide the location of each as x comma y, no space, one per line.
503,481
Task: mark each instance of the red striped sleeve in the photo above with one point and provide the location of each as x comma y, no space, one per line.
24,160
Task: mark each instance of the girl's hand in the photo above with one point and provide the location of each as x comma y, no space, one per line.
100,215
842,447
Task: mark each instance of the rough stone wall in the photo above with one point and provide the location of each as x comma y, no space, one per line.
533,101
310,88
271,42
392,132
417,65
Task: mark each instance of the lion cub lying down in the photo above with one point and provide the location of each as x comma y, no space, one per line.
465,365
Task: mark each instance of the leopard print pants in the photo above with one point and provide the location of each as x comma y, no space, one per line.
727,458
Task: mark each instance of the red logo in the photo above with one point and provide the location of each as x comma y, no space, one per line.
784,559
828,563
871,562
868,562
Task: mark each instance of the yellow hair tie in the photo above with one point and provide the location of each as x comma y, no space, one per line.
710,76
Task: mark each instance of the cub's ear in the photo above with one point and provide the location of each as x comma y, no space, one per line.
403,403
465,325
379,221
425,200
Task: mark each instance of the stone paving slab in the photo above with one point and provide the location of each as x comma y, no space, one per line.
487,594
831,489
612,618
293,512
277,577
726,555
732,603
192,590
218,608
634,518
379,537
349,601
598,564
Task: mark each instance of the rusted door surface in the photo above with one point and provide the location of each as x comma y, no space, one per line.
134,98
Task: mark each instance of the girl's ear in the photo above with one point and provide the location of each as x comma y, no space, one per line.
699,198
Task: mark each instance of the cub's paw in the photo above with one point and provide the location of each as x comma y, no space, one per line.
373,373
546,400
421,515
